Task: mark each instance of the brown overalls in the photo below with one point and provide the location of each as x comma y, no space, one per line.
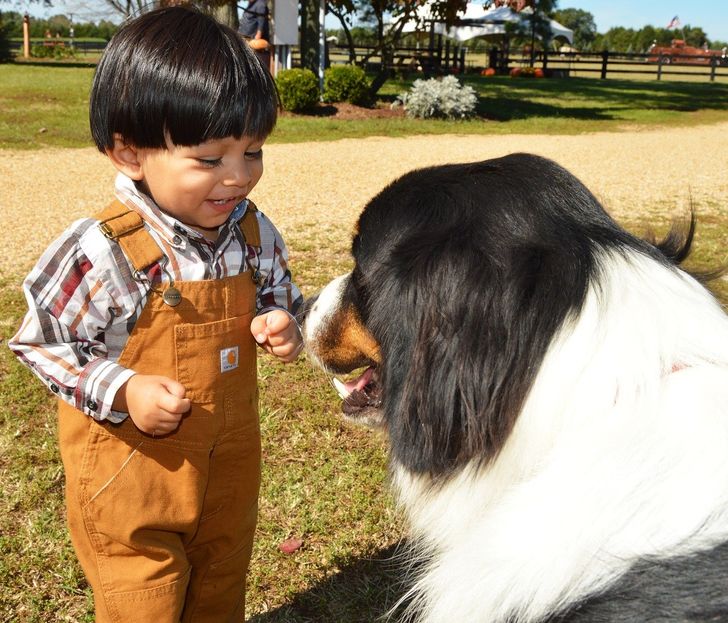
163,527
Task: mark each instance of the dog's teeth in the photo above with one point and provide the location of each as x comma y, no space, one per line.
341,389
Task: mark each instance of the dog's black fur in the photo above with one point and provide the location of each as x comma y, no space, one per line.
470,279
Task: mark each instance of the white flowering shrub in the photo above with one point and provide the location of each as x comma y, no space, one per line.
439,98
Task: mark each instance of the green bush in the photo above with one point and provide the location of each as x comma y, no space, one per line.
298,89
346,83
445,98
5,53
53,50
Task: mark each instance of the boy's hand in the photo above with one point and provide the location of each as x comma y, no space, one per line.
277,332
155,404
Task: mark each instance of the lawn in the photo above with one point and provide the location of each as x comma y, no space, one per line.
47,106
323,481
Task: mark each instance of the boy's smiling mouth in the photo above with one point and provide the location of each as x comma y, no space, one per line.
225,203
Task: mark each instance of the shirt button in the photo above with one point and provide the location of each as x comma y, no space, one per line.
177,240
91,404
54,388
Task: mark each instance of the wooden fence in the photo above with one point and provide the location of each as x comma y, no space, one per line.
453,58
619,65
449,58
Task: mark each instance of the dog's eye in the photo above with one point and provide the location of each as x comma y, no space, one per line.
357,286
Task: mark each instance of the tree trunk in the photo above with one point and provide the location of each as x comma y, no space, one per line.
310,35
347,33
226,13
385,71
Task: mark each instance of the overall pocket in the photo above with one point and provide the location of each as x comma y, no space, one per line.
140,505
214,357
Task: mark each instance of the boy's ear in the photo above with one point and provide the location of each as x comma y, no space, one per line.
125,158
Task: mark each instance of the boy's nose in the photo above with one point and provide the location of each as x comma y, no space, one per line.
239,175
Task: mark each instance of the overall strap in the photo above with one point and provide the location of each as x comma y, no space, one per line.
125,226
249,226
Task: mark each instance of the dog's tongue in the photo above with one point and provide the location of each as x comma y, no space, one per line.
345,389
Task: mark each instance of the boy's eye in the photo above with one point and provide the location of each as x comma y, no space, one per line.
254,155
210,162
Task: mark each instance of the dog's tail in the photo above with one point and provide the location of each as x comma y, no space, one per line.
677,246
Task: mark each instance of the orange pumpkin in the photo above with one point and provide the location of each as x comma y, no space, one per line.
258,44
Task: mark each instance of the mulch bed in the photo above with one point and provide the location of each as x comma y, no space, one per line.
350,112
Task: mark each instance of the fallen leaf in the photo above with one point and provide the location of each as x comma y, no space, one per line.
290,545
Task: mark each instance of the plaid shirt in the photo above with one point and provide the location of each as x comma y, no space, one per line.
84,301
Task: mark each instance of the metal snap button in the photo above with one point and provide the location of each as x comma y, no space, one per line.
172,296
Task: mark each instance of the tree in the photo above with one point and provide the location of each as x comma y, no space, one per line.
620,39
537,24
692,35
582,23
125,8
387,18
5,54
225,11
309,35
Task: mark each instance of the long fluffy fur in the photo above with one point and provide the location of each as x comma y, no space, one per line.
556,396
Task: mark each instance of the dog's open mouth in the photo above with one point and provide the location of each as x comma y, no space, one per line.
362,397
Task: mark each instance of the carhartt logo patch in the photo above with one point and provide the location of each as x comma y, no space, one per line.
228,359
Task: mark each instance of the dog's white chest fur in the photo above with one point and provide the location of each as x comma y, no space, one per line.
614,458
555,392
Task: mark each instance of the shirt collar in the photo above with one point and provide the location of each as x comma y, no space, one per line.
164,224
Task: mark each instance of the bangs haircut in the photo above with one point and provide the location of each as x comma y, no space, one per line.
178,73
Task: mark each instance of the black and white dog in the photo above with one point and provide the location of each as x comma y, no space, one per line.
555,392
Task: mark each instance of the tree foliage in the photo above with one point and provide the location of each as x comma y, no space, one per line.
582,23
386,19
58,25
5,54
629,40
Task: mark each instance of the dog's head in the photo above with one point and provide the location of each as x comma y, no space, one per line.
462,276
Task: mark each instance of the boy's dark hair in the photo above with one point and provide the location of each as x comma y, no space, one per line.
177,72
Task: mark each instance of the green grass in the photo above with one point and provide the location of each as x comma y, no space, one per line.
323,481
46,105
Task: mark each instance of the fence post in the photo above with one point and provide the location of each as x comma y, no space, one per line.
462,59
26,36
605,61
659,67
545,64
713,65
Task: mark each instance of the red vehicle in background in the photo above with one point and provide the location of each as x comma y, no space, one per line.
679,52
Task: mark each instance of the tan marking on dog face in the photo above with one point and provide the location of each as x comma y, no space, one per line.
345,344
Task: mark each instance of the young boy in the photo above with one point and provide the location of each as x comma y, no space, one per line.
144,321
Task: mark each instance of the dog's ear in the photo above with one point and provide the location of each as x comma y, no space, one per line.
472,322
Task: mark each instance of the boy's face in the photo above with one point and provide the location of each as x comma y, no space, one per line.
202,184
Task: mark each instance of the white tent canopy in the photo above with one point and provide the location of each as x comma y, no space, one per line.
476,21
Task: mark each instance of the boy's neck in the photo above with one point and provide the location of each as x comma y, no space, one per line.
211,234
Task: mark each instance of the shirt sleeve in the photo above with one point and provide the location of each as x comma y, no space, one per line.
61,338
276,290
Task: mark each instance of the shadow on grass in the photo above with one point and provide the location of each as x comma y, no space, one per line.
507,99
514,101
363,591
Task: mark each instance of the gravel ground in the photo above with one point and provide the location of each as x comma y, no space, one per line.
307,185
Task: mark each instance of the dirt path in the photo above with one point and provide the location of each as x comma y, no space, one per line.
308,184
